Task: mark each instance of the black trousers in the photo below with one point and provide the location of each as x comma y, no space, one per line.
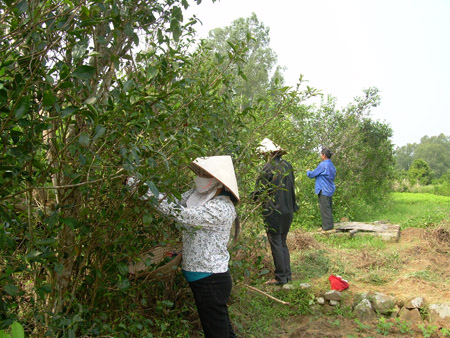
211,295
281,257
326,211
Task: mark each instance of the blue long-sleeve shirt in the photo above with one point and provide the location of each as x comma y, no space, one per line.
324,175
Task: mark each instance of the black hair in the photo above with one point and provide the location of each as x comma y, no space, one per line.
327,152
226,192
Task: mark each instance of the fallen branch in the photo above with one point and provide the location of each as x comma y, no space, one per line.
265,294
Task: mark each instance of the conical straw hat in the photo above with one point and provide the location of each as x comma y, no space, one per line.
220,167
267,146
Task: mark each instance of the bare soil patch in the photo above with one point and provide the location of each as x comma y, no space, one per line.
420,267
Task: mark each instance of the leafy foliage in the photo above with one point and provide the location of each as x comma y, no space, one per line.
93,92
362,151
420,171
434,150
253,70
79,110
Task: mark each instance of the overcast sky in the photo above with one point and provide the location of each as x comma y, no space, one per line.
402,47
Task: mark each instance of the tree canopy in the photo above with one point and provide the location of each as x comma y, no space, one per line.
94,92
434,150
420,172
254,70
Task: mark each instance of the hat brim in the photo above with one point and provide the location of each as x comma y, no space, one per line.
268,147
229,181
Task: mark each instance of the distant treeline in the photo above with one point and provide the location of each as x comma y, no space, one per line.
434,150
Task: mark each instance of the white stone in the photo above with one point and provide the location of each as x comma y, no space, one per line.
443,310
415,303
288,286
332,295
364,310
305,286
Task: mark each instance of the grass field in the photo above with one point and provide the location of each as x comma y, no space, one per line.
369,263
410,210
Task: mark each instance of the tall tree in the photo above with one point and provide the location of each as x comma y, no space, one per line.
435,150
420,172
362,147
404,156
255,70
79,111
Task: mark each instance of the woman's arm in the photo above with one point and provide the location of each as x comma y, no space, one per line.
211,214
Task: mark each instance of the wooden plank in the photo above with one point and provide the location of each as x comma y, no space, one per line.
388,232
350,226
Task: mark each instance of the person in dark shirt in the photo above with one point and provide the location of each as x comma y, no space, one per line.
275,187
325,188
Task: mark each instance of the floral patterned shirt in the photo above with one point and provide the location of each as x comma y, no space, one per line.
206,231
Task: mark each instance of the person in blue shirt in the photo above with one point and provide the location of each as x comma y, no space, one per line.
324,187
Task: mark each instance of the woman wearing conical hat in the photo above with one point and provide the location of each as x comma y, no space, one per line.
207,213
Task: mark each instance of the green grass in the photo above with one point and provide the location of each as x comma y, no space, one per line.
424,275
437,189
346,242
313,264
409,210
255,315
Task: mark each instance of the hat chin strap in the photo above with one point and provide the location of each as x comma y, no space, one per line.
203,184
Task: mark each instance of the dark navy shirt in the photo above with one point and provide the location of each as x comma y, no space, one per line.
324,175
276,187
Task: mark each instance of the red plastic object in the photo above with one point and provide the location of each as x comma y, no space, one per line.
337,283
